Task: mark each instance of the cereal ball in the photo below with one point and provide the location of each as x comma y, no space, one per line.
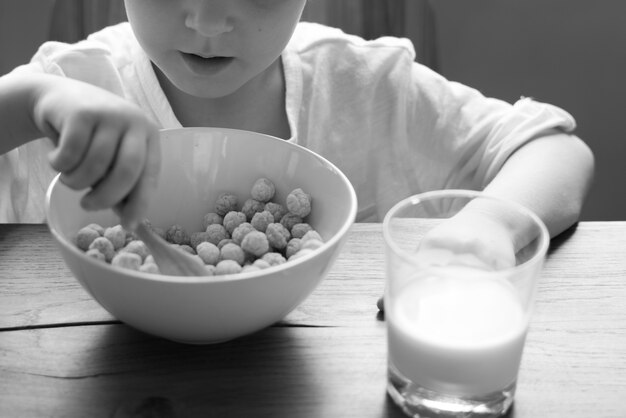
273,259
301,253
261,264
255,243
290,220
250,268
224,242
210,270
176,234
96,227
298,230
311,235
250,207
311,244
261,220
277,235
210,219
95,253
299,203
276,209
198,237
117,235
149,259
263,190
241,231
85,237
208,252
137,247
149,268
233,252
227,267
225,203
187,249
233,219
127,260
104,246
293,246
216,233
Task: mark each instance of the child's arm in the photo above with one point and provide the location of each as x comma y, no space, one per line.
550,175
103,142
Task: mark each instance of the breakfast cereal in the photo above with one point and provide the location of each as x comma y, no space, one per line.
261,220
256,243
127,260
252,206
225,203
299,203
263,190
260,234
117,235
208,252
233,252
85,237
277,235
233,219
104,246
276,209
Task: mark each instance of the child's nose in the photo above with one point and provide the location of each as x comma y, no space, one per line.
209,20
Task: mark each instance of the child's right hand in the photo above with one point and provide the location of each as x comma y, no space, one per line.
103,142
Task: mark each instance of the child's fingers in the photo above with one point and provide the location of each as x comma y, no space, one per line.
73,143
123,174
97,160
136,204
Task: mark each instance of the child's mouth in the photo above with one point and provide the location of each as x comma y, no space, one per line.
206,65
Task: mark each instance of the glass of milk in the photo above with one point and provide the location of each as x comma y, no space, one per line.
461,273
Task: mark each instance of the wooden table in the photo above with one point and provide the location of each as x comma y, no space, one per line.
62,355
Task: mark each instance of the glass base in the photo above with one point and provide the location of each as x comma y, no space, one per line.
419,402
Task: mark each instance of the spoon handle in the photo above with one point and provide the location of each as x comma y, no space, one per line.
171,261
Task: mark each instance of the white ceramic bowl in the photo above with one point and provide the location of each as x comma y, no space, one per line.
198,164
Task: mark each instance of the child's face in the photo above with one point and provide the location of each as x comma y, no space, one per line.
210,48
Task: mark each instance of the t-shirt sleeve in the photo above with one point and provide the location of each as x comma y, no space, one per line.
466,137
86,61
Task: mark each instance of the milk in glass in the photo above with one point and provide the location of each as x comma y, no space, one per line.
456,331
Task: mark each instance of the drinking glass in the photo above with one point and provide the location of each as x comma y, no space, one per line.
461,273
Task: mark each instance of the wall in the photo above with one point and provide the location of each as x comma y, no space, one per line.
571,53
22,30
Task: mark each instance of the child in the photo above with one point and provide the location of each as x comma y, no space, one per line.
394,127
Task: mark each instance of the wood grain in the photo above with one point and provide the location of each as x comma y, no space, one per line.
36,287
326,359
112,370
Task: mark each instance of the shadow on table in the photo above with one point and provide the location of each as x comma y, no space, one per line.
557,241
278,372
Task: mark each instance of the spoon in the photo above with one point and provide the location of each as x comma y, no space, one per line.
171,260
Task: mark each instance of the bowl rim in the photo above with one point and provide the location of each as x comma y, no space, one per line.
334,239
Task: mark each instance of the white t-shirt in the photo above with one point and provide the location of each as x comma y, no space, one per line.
393,126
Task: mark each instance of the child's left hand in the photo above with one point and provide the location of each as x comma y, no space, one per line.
470,238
